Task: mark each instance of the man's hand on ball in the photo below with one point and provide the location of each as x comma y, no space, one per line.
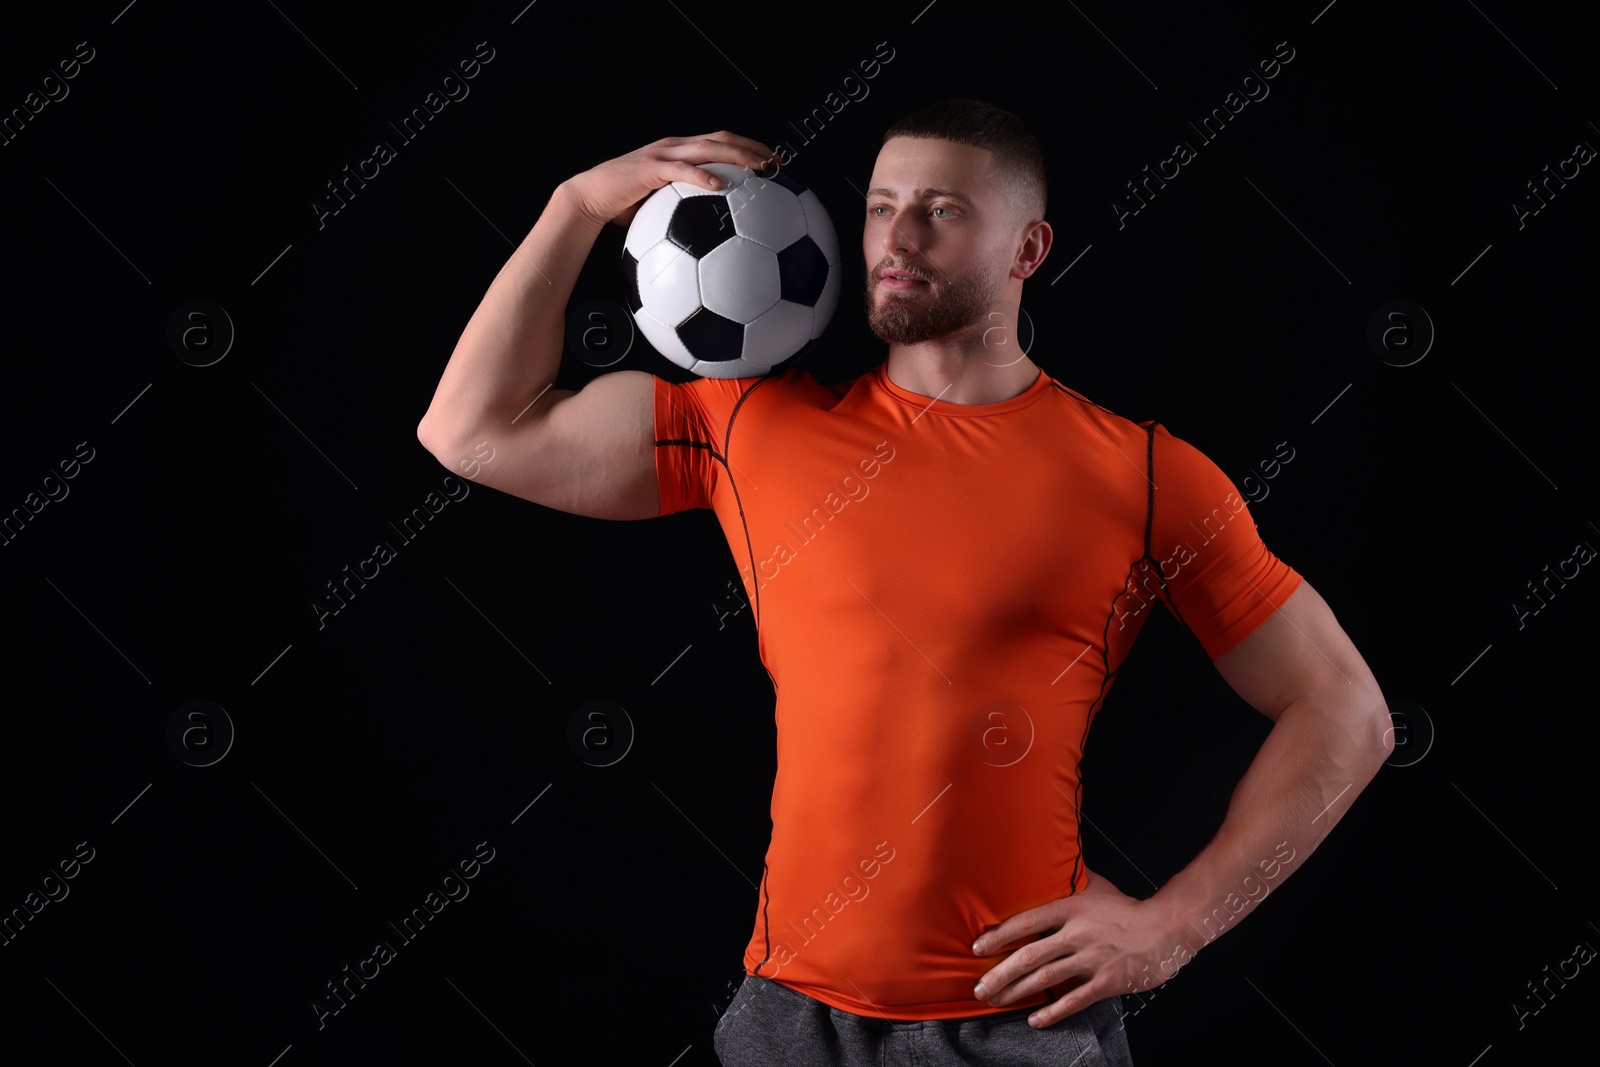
613,191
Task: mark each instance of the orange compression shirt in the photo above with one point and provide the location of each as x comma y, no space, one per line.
943,594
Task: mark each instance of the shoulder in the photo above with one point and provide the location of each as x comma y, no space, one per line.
799,387
1099,423
718,402
1187,487
784,380
803,379
1179,457
1177,476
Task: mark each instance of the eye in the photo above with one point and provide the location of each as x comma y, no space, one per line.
873,210
944,209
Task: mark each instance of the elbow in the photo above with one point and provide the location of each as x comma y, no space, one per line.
1362,730
425,436
1379,728
432,439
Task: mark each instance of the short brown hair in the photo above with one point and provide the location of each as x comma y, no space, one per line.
972,122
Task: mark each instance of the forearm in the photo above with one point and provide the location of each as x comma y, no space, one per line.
511,348
1319,756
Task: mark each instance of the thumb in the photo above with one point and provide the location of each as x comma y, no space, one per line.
625,217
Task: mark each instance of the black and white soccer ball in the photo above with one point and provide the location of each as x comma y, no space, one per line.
732,282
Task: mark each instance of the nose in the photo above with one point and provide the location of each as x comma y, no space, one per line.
898,240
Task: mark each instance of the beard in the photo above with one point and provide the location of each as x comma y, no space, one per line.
914,316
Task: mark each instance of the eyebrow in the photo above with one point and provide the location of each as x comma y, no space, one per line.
923,194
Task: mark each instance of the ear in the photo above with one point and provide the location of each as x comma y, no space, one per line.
1035,245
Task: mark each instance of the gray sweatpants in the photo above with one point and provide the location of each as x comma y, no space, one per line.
767,1024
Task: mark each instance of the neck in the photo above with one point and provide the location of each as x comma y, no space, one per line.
964,371
983,363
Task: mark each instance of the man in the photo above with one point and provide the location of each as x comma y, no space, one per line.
949,558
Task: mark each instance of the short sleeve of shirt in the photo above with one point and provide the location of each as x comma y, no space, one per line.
1221,578
691,429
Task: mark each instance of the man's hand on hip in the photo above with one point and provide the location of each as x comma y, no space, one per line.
1095,944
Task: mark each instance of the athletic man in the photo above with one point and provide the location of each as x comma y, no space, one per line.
949,558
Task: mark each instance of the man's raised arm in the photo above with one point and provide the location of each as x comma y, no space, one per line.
495,415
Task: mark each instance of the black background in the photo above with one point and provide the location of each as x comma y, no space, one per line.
374,752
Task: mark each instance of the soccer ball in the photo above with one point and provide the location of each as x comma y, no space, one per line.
732,282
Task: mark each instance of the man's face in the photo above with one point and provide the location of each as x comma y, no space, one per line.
935,213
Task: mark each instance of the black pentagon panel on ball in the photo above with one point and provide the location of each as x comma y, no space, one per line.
630,276
700,224
711,337
783,179
802,272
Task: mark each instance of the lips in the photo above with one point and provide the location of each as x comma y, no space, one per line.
899,279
